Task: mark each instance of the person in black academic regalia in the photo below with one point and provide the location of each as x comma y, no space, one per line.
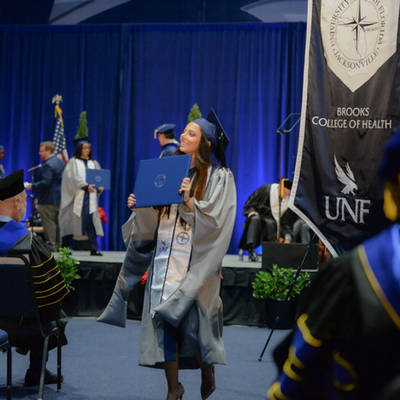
14,237
346,344
262,216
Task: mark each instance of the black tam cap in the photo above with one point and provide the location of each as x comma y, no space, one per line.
12,185
80,140
215,134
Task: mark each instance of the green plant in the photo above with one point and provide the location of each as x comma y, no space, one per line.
194,113
82,128
68,266
276,286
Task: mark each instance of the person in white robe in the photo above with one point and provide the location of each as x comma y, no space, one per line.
79,215
184,245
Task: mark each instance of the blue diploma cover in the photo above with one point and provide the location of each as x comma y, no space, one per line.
99,177
158,180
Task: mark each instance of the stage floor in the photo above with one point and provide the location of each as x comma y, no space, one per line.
117,257
230,260
99,274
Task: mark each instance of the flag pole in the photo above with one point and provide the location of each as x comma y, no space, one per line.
60,149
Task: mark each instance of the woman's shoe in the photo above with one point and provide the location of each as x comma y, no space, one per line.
253,256
209,389
181,392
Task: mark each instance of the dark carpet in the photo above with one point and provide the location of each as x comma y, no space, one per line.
101,362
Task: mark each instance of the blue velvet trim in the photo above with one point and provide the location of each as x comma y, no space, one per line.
384,259
10,233
306,380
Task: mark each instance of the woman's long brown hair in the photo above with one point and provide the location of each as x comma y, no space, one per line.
202,162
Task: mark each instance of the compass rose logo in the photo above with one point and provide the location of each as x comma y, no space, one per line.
359,36
361,21
182,238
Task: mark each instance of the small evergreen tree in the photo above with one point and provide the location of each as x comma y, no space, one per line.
194,113
82,128
67,266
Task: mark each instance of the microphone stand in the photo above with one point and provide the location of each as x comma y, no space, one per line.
32,216
278,231
300,266
287,126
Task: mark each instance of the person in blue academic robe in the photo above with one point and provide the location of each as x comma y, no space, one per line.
347,341
166,137
15,238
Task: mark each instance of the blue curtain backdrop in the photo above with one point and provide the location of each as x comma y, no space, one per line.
132,78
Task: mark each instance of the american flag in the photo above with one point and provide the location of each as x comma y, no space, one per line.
59,141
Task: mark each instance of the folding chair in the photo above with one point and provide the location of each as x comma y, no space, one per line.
5,347
17,299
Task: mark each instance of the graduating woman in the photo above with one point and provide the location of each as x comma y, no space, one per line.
184,244
79,214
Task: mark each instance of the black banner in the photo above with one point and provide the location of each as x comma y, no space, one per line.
351,106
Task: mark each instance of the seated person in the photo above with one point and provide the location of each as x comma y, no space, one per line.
15,237
262,214
347,341
301,232
34,223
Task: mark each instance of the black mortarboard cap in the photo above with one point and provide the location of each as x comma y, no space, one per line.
12,185
166,128
79,140
215,133
287,184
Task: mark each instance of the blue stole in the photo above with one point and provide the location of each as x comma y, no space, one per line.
382,268
10,234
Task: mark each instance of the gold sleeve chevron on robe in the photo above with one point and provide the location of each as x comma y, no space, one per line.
49,285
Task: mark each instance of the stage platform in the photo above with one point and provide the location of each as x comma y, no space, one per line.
99,274
230,260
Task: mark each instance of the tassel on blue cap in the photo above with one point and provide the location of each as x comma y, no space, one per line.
216,135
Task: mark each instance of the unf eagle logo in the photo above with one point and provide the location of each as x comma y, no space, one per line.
342,208
160,180
347,178
359,36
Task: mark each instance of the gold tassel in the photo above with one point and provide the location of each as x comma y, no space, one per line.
282,186
391,201
58,112
156,131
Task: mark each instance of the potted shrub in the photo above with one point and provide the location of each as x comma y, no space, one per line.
274,289
69,271
67,266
